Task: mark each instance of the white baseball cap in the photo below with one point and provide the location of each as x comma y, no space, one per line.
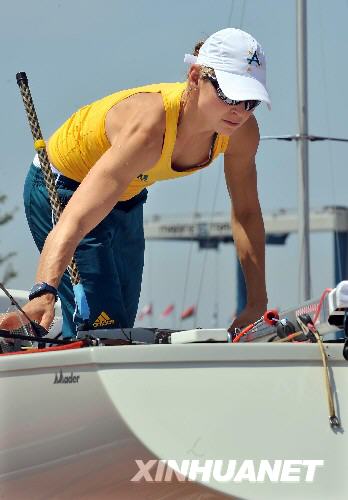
239,64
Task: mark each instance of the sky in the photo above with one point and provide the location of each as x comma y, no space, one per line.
76,51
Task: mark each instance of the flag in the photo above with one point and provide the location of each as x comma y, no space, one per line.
167,311
190,311
145,311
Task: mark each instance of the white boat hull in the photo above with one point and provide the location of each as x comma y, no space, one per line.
80,439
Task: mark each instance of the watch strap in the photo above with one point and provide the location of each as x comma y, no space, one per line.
42,288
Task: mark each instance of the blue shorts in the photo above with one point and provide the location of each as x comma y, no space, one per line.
110,258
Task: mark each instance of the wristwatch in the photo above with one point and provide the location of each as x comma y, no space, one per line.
40,289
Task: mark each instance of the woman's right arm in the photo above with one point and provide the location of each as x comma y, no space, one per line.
135,148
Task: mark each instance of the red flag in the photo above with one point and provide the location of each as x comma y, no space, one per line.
167,311
145,311
190,311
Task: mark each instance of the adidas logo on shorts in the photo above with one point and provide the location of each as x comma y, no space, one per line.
103,320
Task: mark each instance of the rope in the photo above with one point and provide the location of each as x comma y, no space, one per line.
243,332
320,304
242,15
289,337
10,334
213,207
333,419
40,146
270,317
216,291
37,329
198,193
74,345
231,13
81,303
188,265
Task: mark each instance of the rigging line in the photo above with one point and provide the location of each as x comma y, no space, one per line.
190,252
217,288
149,277
332,177
189,257
191,246
37,328
300,276
231,13
242,15
201,279
202,273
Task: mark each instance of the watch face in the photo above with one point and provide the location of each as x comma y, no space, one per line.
41,288
37,288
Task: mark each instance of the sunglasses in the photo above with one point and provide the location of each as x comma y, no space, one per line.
249,104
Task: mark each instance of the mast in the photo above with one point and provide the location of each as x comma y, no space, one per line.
302,152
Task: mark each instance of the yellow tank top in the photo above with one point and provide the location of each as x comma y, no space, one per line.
76,146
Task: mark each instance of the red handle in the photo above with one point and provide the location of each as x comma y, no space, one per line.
271,317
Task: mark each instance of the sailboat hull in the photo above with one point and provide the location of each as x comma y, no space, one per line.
74,422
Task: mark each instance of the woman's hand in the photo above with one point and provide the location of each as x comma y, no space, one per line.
249,315
40,309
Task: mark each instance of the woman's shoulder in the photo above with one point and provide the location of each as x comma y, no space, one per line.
139,111
144,105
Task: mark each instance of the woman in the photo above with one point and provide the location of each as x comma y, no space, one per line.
109,152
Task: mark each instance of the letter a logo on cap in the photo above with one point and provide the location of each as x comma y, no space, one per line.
254,59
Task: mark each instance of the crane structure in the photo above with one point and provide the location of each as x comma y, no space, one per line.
209,231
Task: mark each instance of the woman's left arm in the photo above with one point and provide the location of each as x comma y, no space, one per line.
246,218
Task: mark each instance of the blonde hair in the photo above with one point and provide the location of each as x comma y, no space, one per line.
205,71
